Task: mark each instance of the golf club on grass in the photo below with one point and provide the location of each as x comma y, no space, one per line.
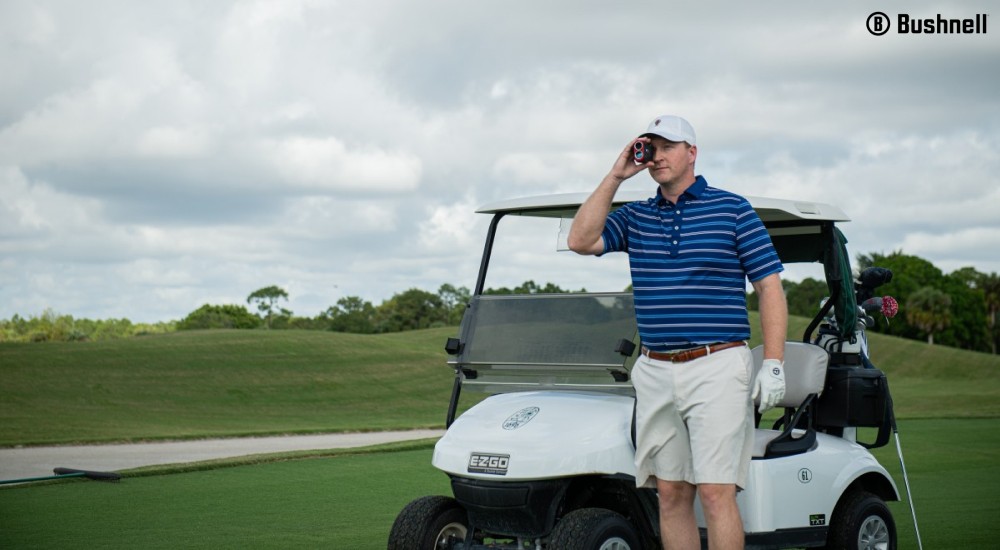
902,465
889,308
62,473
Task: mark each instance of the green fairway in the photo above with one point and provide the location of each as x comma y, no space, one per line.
344,502
222,383
229,383
954,471
350,501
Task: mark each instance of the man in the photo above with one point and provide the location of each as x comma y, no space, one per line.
691,249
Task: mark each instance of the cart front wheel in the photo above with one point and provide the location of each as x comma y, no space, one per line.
429,523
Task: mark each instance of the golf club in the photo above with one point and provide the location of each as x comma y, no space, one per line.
62,473
902,465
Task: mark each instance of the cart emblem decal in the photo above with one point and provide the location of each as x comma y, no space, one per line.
520,418
805,475
485,463
817,519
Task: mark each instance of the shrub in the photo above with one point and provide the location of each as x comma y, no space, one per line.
225,316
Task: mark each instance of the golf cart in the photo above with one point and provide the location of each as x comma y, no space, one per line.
546,460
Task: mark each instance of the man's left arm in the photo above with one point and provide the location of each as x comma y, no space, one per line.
770,383
773,315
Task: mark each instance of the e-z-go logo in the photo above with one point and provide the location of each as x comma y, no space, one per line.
879,23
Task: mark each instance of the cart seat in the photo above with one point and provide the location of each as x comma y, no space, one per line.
805,376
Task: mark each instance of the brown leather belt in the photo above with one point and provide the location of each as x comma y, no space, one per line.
686,355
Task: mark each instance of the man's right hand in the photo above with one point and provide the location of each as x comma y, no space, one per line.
585,234
625,167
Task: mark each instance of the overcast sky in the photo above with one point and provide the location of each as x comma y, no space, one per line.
156,156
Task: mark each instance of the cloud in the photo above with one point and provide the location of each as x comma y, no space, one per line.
173,142
341,148
447,229
979,240
33,214
327,164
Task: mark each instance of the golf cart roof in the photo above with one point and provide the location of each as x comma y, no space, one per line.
565,205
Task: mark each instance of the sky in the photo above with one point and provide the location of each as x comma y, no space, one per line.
157,156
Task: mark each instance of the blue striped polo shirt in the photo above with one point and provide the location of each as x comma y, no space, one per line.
690,262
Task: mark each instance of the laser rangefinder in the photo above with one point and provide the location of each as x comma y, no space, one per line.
642,152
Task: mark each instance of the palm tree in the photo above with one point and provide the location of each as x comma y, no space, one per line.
990,285
929,309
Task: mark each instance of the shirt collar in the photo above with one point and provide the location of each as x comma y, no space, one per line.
694,191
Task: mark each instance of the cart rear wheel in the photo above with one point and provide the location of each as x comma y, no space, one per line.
862,521
593,529
429,523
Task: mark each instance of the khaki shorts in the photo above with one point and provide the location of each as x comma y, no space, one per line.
694,420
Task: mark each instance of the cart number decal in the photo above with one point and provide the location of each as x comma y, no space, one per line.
817,519
481,463
805,475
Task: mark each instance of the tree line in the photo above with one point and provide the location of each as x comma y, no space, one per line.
957,309
412,309
409,310
54,327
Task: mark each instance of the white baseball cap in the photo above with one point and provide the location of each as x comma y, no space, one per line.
672,128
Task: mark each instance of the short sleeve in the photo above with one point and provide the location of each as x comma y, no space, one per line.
615,232
753,245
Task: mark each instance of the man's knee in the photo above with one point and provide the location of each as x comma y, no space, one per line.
717,496
675,493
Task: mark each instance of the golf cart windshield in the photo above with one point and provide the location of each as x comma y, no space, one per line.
586,341
553,340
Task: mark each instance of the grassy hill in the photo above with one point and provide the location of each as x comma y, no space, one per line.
222,383
255,382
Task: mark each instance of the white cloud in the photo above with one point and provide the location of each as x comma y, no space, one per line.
156,156
172,142
33,213
448,229
328,218
32,26
975,244
326,163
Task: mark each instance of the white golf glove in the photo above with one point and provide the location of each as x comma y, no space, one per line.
770,384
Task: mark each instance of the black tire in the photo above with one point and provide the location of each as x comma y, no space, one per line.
593,529
861,521
429,523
